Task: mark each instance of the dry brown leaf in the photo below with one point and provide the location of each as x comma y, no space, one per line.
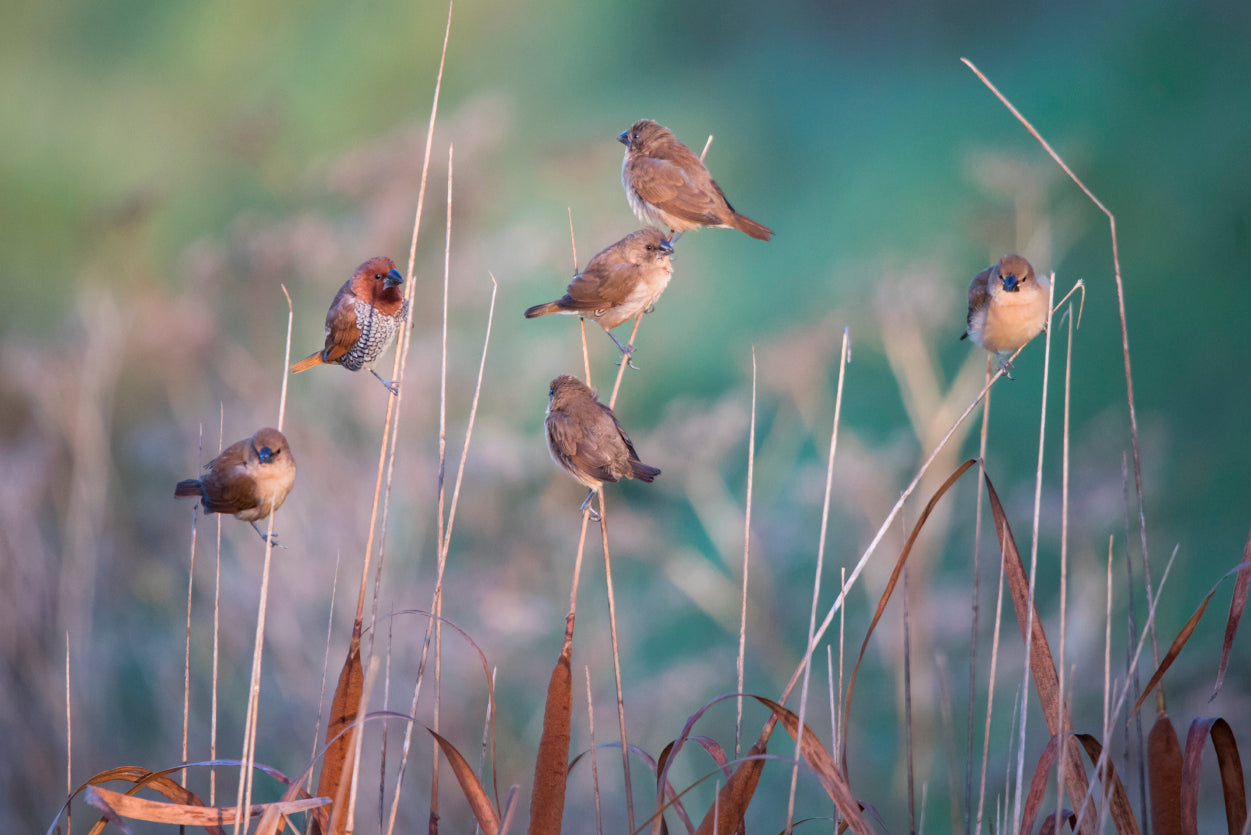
1042,663
1236,605
472,788
336,766
1119,808
735,796
890,586
209,817
1232,785
1164,775
547,800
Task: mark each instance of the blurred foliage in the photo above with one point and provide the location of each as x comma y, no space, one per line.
166,166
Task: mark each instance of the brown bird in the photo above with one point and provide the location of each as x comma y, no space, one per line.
1008,306
250,479
585,439
667,183
364,317
618,284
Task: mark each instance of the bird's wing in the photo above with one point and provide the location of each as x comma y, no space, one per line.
684,192
979,294
342,329
230,490
597,288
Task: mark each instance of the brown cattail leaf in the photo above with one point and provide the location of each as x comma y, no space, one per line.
1038,785
1179,642
210,817
1232,786
827,770
1041,662
1236,605
894,578
336,765
1119,808
732,801
472,788
1164,775
547,800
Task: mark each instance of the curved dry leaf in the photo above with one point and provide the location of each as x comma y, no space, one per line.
1164,776
472,788
890,585
1179,642
547,798
732,801
336,766
1232,785
1119,808
1236,606
209,817
1038,785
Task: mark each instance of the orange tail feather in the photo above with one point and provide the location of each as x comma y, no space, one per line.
308,362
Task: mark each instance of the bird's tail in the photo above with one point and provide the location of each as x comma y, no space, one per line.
308,362
757,230
187,489
543,310
643,472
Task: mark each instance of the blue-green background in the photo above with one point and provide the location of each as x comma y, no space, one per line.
167,165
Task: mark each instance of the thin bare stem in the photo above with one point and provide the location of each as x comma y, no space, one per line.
1064,549
590,715
69,734
358,739
843,358
625,361
186,658
325,667
616,662
907,664
1120,301
1033,563
244,796
976,611
990,700
707,145
742,622
573,242
217,615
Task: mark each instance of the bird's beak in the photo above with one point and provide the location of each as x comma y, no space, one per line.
393,279
666,246
265,454
1010,283
624,138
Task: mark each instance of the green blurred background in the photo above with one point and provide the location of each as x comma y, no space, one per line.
167,166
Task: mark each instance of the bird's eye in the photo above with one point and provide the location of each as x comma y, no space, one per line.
651,248
551,392
379,276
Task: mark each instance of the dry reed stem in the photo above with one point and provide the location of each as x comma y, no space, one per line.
1064,543
590,715
907,671
1033,563
625,362
358,740
325,667
217,615
990,701
843,358
244,795
742,623
1120,301
977,591
186,658
616,659
69,736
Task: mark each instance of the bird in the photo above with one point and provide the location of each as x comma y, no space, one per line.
587,441
667,183
249,479
362,320
618,284
1008,306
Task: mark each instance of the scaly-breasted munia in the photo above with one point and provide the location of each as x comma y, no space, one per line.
586,440
250,479
364,317
618,284
666,183
1008,306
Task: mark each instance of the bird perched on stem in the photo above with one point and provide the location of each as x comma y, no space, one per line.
586,440
364,317
1008,306
618,284
249,479
667,183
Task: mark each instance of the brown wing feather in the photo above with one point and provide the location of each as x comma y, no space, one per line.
226,487
342,332
979,296
687,193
